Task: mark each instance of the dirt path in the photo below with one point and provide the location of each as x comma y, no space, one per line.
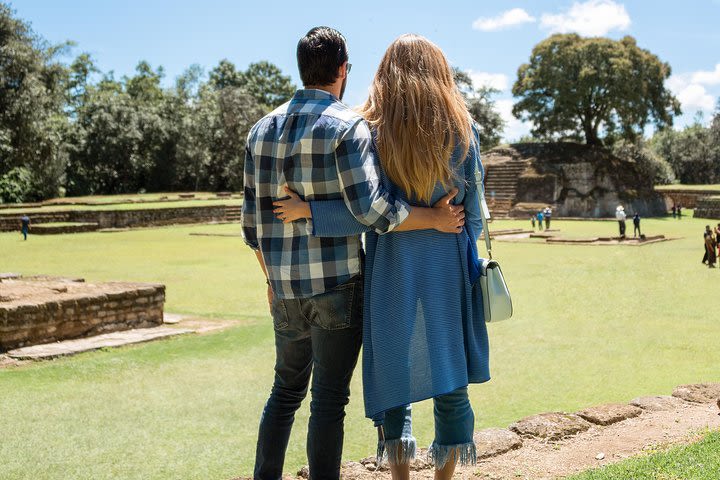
597,446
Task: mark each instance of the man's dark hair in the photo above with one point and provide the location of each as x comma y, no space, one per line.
320,53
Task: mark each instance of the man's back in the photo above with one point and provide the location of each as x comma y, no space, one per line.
319,148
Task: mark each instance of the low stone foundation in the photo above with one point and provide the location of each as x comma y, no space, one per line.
708,207
126,218
685,198
42,310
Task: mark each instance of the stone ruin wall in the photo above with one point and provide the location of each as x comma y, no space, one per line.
708,207
65,309
121,218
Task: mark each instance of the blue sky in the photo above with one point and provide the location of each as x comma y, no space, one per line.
490,39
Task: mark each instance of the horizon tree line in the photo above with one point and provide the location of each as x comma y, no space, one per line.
70,129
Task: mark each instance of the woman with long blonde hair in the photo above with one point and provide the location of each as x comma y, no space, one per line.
424,334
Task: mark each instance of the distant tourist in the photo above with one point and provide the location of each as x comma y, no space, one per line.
717,235
674,211
532,220
705,235
547,213
710,246
636,225
679,211
540,217
24,226
620,215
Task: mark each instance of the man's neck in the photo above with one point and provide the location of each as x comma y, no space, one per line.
333,89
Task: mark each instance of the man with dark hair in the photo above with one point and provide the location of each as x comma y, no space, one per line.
321,149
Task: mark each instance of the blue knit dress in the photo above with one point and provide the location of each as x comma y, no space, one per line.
424,334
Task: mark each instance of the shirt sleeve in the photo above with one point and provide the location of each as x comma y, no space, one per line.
360,185
475,175
249,207
331,218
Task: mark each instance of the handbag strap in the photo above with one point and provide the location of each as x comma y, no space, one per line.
484,211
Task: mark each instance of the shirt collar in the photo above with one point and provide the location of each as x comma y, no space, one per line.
314,94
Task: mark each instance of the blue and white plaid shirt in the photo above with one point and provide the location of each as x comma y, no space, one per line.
322,150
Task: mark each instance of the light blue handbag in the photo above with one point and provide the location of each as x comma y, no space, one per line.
497,303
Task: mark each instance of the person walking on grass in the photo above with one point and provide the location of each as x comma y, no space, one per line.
322,149
540,218
636,225
532,221
24,226
547,213
707,233
710,247
424,331
621,216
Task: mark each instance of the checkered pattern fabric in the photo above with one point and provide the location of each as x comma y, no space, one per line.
322,150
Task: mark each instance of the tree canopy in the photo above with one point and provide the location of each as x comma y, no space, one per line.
69,128
577,88
482,108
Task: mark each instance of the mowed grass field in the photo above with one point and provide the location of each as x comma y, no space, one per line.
592,324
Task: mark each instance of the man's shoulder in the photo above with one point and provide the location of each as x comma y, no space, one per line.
343,116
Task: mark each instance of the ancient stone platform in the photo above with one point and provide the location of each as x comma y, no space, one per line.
40,310
107,340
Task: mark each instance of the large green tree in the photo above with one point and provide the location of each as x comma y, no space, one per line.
33,123
482,108
263,81
576,87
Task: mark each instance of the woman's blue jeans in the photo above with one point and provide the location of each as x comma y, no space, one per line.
454,426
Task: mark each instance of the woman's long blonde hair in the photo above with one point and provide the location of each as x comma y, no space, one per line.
419,116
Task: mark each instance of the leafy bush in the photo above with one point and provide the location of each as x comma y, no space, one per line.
16,185
649,164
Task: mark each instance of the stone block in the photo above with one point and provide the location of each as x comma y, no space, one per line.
495,441
609,413
698,392
550,425
657,403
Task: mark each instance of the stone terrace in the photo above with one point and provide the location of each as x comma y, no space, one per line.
44,309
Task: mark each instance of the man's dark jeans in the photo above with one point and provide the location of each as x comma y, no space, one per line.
321,334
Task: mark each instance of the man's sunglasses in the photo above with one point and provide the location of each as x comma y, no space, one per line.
348,68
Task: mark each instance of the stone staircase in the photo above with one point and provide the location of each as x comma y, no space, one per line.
233,213
501,185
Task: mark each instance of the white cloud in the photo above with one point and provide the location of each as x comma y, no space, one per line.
509,18
707,78
514,128
694,97
689,88
591,18
494,80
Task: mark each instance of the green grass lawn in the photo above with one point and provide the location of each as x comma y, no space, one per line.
592,324
698,461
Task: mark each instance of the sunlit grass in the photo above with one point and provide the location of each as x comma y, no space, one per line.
592,324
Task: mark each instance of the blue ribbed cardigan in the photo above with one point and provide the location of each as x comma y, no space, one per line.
424,333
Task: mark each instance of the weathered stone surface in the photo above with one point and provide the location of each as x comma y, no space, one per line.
495,441
107,340
550,425
698,392
609,413
657,403
126,218
38,310
577,180
352,470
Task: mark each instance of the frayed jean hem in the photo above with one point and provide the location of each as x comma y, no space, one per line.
439,455
398,451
